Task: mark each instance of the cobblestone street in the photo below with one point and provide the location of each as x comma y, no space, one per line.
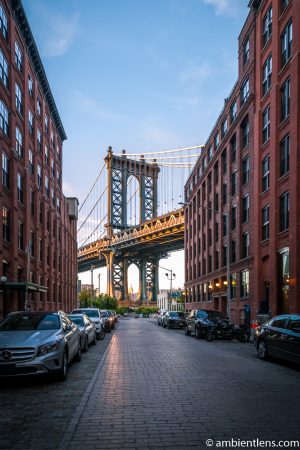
154,388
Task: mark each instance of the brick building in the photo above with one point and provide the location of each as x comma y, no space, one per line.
244,191
38,248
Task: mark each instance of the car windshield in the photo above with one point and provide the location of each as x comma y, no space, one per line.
202,315
173,314
28,321
104,314
77,319
88,312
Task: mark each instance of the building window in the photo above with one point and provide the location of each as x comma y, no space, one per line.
19,142
5,171
31,163
41,215
266,125
285,100
246,51
266,173
233,183
58,205
216,173
46,155
52,139
224,225
245,245
39,176
3,22
233,217
224,194
233,285
224,128
20,187
267,75
39,140
38,106
4,118
31,244
216,231
47,186
244,286
30,86
284,4
286,43
284,155
209,183
30,122
245,91
52,196
3,69
267,26
210,153
233,111
233,148
224,255
19,103
20,235
265,222
32,197
245,208
216,141
216,260
53,168
18,57
245,170
40,250
224,162
5,224
46,124
245,132
284,211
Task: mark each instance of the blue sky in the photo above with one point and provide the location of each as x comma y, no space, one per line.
137,74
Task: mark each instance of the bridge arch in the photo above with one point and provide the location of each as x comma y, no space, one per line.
133,211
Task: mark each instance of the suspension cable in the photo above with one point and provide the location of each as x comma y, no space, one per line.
94,231
92,209
97,178
161,152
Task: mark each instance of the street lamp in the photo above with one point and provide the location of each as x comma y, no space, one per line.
92,280
171,276
226,216
99,282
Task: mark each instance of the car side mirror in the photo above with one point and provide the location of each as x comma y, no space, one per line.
68,328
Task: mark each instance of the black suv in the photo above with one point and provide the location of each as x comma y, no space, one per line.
202,321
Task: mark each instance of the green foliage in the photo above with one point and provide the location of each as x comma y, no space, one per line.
146,310
104,301
122,309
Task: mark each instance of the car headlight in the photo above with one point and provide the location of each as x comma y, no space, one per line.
48,348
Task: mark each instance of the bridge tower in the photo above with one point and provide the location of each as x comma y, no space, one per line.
119,169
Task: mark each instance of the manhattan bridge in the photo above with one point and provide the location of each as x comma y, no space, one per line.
131,215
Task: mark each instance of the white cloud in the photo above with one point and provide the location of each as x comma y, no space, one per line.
91,106
226,7
61,33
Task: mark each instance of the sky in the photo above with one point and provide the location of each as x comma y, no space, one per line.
138,75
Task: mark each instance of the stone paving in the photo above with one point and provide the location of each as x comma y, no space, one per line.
35,412
145,387
158,388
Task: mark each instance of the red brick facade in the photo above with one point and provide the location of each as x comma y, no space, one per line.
38,248
262,203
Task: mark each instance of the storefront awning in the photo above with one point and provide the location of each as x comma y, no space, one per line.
24,285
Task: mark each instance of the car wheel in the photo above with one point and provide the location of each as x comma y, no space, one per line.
94,341
243,336
197,335
62,375
86,345
210,336
262,349
187,331
78,355
102,334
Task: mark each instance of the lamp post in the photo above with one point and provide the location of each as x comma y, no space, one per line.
224,215
170,275
99,275
92,280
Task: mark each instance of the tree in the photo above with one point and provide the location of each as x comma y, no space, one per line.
85,298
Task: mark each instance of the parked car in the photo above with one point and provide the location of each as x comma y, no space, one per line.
160,317
115,316
94,315
33,343
279,337
200,322
108,320
174,319
87,330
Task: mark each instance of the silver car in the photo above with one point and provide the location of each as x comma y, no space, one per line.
87,330
38,343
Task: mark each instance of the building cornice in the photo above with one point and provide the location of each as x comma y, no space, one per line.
25,30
